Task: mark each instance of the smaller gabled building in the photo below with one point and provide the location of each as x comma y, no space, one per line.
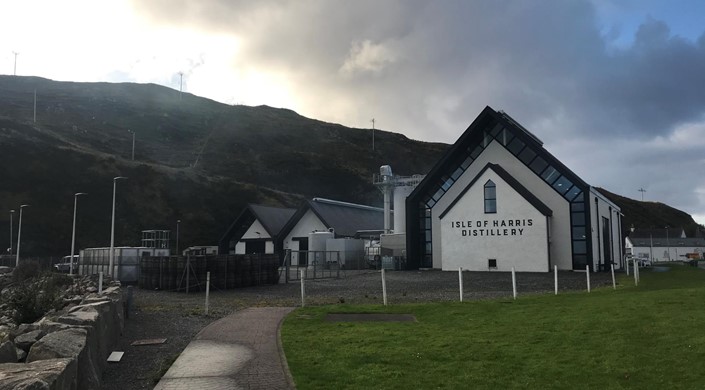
256,230
343,219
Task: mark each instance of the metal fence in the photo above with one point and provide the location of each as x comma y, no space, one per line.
226,272
333,264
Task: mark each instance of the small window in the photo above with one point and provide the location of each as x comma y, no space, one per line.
490,197
491,263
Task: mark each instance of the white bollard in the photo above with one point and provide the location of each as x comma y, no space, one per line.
627,267
384,288
636,269
514,283
208,288
614,282
100,282
555,279
460,281
303,288
587,272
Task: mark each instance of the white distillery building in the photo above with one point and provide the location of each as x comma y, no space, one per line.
659,245
497,199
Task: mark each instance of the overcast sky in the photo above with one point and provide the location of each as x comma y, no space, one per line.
614,88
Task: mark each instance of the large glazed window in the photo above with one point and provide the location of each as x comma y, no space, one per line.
490,197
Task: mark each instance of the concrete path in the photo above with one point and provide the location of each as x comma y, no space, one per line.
240,351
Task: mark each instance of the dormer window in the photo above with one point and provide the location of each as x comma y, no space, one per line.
490,197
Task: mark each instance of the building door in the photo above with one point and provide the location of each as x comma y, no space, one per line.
254,247
606,244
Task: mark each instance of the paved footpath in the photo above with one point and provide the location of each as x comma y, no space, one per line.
240,351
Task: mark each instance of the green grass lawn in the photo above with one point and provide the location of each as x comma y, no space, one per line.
646,337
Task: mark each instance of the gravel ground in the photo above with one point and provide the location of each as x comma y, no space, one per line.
178,317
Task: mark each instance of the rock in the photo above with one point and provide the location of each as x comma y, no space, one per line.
8,353
45,374
5,270
26,340
21,355
69,343
64,343
91,289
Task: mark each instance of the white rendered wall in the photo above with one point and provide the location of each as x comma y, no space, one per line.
560,247
251,233
518,235
596,215
660,253
308,223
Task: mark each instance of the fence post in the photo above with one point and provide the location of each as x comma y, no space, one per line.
614,283
460,282
555,279
627,267
514,283
587,272
384,288
303,288
287,263
100,282
337,254
188,270
208,288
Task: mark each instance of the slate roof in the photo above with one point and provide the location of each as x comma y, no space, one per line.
272,218
514,183
672,242
346,219
656,233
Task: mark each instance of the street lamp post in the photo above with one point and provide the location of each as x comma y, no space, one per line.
73,230
133,144
668,245
178,221
19,235
112,228
12,212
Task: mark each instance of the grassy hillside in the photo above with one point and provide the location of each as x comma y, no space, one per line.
196,160
649,215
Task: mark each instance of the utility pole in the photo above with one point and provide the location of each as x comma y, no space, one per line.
14,73
642,190
181,83
373,133
133,143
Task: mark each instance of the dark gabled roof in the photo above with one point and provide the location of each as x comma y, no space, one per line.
673,242
509,179
272,219
346,219
672,233
473,134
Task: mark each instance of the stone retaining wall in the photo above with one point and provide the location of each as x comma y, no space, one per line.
65,350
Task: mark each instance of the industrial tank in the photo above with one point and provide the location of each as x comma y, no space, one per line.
400,195
317,247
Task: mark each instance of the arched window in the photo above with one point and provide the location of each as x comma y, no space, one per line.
490,197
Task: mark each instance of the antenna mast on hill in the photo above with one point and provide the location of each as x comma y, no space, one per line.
14,72
373,133
642,190
181,83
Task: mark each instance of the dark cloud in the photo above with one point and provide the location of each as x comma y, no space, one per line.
428,68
